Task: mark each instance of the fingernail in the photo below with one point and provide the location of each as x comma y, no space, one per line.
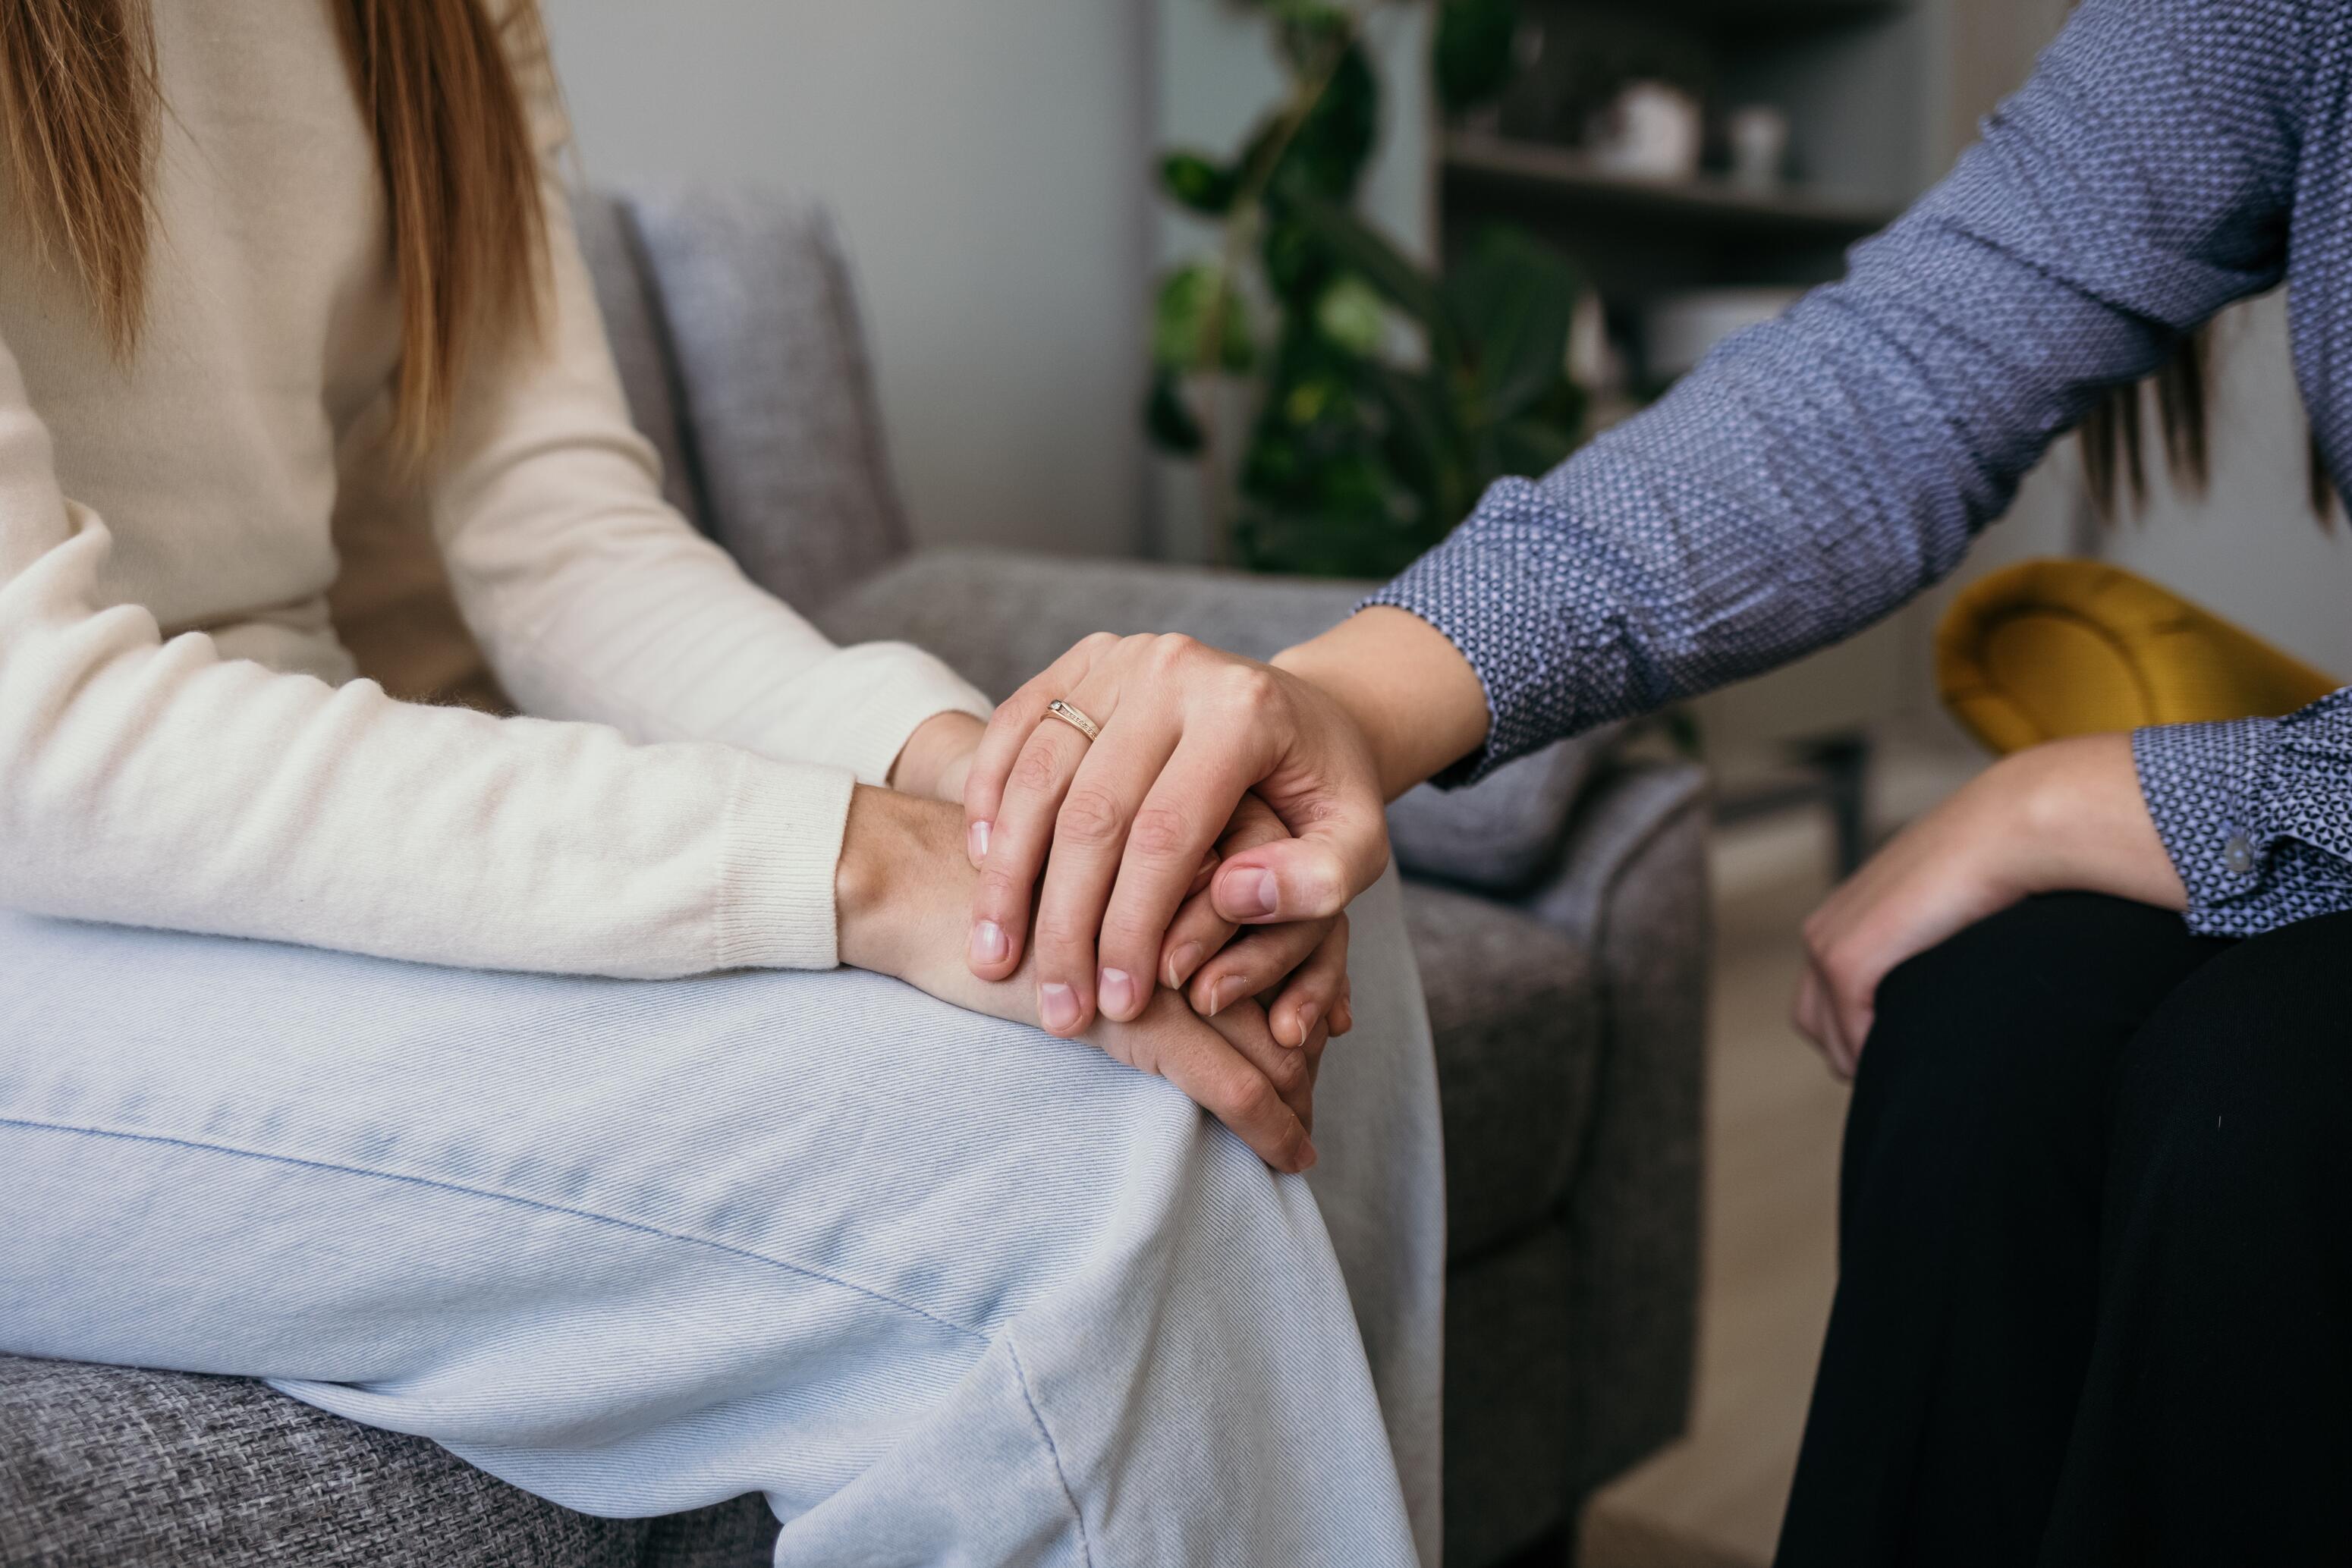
976,839
988,945
1220,994
1058,1004
1181,963
1307,1021
1247,895
1306,1156
1116,992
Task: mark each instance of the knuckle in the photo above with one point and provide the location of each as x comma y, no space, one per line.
1035,769
1253,1098
1090,818
1172,649
1250,687
1288,1073
1160,832
1058,933
1000,889
1097,642
1125,932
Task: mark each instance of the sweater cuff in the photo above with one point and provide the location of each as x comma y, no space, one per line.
882,692
784,825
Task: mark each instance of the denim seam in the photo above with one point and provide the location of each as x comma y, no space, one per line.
1029,1397
639,1226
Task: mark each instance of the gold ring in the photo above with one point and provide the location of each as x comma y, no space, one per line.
1074,718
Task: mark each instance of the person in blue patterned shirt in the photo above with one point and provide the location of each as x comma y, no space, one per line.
2094,1304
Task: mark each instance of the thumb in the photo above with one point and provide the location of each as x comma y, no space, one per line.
1308,878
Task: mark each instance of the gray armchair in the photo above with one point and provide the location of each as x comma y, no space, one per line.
1558,910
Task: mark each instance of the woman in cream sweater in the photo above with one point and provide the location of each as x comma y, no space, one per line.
502,1126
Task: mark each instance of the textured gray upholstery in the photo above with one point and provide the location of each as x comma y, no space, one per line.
105,1467
1512,1003
772,379
608,241
1566,995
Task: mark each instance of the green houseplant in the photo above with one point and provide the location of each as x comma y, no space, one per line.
1378,400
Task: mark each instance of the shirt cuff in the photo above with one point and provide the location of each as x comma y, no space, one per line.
776,908
1483,587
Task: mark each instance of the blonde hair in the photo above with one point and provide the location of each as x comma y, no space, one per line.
80,107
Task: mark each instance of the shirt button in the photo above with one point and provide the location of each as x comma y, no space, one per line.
2238,855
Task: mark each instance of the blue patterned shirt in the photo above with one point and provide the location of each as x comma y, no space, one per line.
2168,157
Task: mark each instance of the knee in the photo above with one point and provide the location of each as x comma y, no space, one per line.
1992,1014
2247,1056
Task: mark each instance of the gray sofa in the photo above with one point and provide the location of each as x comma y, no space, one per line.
1558,910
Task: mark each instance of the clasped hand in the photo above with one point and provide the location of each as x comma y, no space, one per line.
1205,843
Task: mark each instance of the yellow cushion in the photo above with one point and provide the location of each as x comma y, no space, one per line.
2047,649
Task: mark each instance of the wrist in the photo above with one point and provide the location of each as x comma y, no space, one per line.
874,882
2076,821
1415,699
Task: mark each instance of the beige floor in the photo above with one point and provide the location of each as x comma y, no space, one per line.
1774,1115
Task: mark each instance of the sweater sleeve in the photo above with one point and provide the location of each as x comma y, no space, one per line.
153,782
593,600
1816,471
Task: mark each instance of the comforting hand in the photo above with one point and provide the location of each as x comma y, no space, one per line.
2067,815
1310,954
902,892
1119,825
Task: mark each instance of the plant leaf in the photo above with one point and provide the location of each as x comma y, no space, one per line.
1365,251
1169,421
1189,298
1192,180
1352,315
1471,59
1326,155
1514,297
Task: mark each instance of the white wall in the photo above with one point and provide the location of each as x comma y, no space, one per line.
987,162
2249,548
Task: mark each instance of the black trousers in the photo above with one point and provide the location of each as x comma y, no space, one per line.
2094,1302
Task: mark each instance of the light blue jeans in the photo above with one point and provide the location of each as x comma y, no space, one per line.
947,1290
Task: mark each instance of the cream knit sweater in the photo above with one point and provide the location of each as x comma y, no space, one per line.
182,741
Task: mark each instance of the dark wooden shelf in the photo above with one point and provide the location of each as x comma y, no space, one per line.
1562,177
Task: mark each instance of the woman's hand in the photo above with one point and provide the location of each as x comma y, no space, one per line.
2067,815
1306,959
1323,735
937,757
1311,955
902,889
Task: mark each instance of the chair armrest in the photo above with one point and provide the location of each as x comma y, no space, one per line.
1632,890
1625,812
1000,616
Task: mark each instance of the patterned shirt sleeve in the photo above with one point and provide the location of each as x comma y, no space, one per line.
2256,814
1819,470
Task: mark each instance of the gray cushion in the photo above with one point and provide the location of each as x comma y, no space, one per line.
755,307
1511,1006
608,243
1000,616
104,1466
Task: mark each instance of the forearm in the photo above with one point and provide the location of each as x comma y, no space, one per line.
2082,824
1411,691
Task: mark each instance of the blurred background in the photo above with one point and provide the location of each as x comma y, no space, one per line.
1282,285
